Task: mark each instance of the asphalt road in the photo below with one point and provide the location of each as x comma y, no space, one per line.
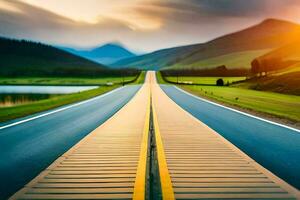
28,148
275,147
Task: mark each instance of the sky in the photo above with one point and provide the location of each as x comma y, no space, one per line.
140,25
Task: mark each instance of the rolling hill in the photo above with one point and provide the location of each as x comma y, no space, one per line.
283,66
285,56
256,40
26,58
105,54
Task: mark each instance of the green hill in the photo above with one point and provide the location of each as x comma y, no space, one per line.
155,60
251,42
283,68
25,58
287,56
235,60
286,83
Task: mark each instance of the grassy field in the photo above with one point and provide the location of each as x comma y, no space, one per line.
284,83
231,61
13,112
205,80
140,79
275,104
62,80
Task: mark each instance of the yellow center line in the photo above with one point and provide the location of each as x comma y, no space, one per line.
165,180
139,192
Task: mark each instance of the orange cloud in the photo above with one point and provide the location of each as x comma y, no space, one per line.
95,11
140,24
4,5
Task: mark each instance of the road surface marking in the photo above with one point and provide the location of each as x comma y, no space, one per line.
165,180
59,110
237,111
139,192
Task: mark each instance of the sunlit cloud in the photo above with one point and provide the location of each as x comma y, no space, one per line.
6,6
144,25
95,11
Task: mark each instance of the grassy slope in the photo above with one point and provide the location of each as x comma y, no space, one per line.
291,69
141,78
267,35
154,60
61,81
287,52
205,80
232,61
286,83
20,57
279,105
286,79
9,113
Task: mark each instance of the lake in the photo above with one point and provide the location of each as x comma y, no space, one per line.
15,95
32,89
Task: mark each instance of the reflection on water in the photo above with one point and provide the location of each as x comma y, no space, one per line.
11,95
15,99
25,89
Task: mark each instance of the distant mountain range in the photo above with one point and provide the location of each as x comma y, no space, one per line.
106,54
235,50
26,58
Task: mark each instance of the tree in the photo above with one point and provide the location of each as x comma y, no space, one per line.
220,82
255,67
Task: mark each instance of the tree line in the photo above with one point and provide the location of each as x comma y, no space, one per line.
220,71
263,66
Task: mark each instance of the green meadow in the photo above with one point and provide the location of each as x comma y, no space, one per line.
63,80
234,60
21,110
275,104
205,80
140,79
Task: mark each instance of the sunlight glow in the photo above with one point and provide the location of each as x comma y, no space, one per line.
95,11
8,7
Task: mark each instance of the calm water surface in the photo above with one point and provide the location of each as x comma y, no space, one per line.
15,95
24,89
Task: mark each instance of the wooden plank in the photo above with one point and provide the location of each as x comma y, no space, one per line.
79,190
229,190
84,185
57,172
88,180
75,196
236,196
222,180
222,185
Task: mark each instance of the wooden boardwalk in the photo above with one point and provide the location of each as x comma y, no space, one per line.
198,163
109,163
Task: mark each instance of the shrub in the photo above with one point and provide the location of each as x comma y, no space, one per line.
220,82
